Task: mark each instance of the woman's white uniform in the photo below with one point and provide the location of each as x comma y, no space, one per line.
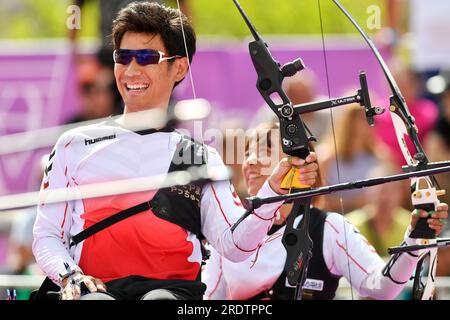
346,253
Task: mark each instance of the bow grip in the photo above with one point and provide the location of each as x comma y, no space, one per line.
422,230
292,180
424,199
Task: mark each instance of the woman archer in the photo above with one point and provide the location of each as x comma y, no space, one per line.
339,249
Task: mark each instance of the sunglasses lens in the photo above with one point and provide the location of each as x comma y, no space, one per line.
147,58
143,57
122,57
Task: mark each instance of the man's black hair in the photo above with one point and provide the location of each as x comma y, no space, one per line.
153,18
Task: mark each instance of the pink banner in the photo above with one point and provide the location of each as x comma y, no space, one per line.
39,90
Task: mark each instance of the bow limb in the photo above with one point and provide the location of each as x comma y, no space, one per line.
404,122
404,125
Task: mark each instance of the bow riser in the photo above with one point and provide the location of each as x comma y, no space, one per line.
295,142
293,131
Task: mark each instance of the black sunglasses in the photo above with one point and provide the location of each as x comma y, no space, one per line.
143,56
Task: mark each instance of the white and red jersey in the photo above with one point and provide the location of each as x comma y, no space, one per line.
143,244
345,251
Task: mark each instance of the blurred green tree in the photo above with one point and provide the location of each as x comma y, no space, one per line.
47,18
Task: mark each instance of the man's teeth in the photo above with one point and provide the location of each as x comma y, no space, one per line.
137,86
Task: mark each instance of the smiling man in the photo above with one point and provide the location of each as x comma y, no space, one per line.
150,87
152,249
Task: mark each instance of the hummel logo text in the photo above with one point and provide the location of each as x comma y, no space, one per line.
92,141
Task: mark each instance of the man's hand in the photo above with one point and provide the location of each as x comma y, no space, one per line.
307,168
436,220
72,286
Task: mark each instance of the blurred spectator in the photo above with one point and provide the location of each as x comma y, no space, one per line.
20,258
357,153
443,266
424,111
301,88
97,91
430,25
437,143
382,220
420,26
20,240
